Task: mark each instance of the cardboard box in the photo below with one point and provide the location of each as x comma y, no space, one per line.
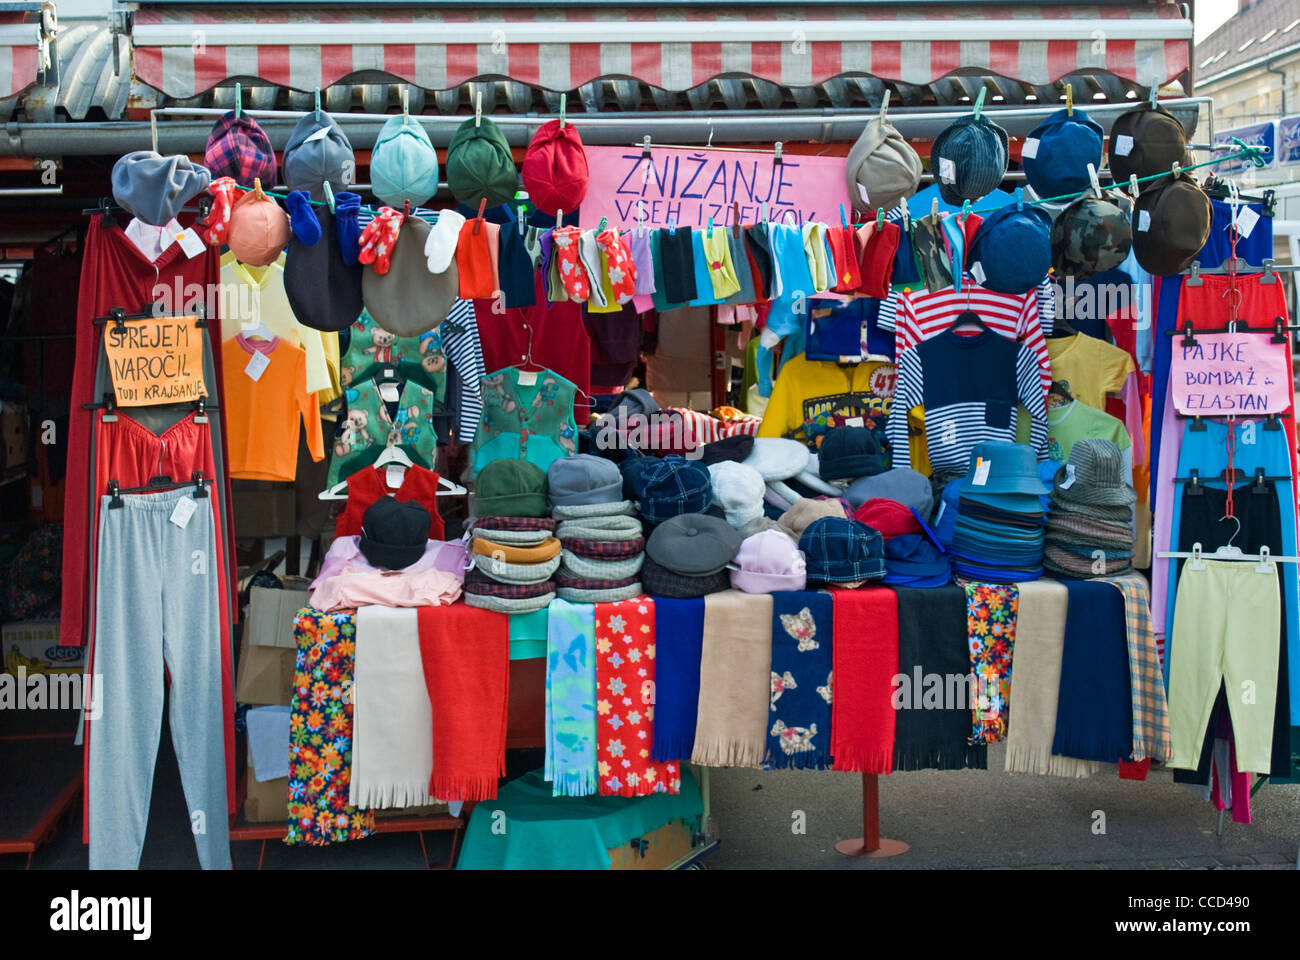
657,850
271,613
34,644
266,801
264,675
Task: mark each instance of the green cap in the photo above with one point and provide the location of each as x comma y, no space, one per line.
510,488
479,164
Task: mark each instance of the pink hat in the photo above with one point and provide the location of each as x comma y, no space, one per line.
259,229
768,562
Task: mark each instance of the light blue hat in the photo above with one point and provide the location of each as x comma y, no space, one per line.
403,164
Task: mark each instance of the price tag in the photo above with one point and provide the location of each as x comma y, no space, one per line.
1123,145
855,422
977,271
1144,220
1246,220
947,170
862,193
982,468
527,378
1068,482
185,508
318,134
394,474
388,392
190,243
1030,150
257,365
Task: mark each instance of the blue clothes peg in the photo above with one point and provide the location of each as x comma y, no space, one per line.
672,226
965,210
1020,199
844,222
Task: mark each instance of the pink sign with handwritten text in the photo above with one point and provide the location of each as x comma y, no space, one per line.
1230,374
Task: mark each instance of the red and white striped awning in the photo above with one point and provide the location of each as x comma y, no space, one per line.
184,51
25,35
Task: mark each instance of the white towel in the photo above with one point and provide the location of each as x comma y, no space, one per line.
268,742
392,720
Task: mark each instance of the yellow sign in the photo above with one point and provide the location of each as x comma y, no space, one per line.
155,360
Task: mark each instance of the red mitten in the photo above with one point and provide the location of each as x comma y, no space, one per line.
379,237
572,274
622,269
218,222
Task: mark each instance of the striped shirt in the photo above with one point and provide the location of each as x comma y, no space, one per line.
916,316
959,371
460,342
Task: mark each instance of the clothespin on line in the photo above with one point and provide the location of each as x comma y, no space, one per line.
979,102
153,131
880,215
735,218
478,221
1069,99
934,207
1133,185
406,105
604,222
884,106
317,98
478,108
777,150
239,99
559,219
564,99
1092,179
329,195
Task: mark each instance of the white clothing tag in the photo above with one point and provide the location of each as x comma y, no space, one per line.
1144,220
1123,145
190,243
977,271
319,134
394,474
768,338
1068,482
855,422
527,378
1030,148
185,508
1246,220
947,170
257,365
982,468
388,392
862,192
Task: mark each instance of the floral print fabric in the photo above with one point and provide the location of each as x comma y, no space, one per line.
625,682
991,627
320,732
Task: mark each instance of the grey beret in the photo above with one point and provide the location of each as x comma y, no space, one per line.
693,544
583,479
153,188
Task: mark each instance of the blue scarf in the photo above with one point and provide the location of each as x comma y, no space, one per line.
571,698
799,718
679,632
1094,714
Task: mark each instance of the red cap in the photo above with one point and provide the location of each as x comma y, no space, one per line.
890,517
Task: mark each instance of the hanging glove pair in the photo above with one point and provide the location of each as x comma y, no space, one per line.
306,224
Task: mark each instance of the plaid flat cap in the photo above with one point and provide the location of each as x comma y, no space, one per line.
576,566
604,549
659,581
588,583
612,595
477,583
509,604
239,148
514,523
673,486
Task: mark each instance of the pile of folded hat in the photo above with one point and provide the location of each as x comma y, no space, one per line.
842,552
1089,527
914,556
513,545
687,556
600,534
999,532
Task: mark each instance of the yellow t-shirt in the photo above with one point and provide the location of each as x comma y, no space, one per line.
809,392
1089,368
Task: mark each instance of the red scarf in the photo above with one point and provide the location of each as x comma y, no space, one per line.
466,656
865,652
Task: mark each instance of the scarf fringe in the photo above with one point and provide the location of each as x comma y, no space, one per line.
777,759
1161,750
859,760
449,787
386,796
575,783
1060,766
729,753
1022,758
940,757
673,748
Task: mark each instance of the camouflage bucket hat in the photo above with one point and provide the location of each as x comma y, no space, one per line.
1090,236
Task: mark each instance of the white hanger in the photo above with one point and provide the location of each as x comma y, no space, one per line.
258,329
1197,556
393,456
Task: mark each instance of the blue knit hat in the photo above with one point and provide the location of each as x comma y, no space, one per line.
1013,247
1057,153
673,486
403,164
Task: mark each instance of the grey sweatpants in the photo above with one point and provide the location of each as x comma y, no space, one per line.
156,604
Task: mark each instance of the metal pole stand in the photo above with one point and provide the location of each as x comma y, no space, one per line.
871,844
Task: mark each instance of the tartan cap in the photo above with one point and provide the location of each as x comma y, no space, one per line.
969,158
839,550
239,148
659,581
673,486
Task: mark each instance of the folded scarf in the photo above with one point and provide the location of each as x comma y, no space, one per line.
680,639
392,741
866,662
469,691
1094,714
583,511
799,721
1150,708
511,605
517,553
615,527
320,733
571,699
731,725
625,702
600,594
604,549
933,726
576,566
991,629
1036,682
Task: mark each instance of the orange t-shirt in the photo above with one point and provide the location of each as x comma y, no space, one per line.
476,260
263,400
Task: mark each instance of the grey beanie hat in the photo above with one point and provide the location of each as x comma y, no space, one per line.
583,479
153,188
882,169
969,159
312,157
408,300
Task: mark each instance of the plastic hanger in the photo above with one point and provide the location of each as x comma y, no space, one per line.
1264,559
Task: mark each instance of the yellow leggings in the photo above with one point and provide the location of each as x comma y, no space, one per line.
1227,622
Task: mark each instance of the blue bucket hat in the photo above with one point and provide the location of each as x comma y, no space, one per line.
1013,248
403,164
840,550
997,466
1056,154
673,486
915,559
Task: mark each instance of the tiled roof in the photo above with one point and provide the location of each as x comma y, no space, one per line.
1264,28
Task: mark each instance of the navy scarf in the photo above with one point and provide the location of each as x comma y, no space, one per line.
799,715
679,641
1094,714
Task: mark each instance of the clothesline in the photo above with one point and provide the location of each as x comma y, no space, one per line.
1248,152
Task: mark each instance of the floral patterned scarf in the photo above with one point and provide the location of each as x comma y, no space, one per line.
991,627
